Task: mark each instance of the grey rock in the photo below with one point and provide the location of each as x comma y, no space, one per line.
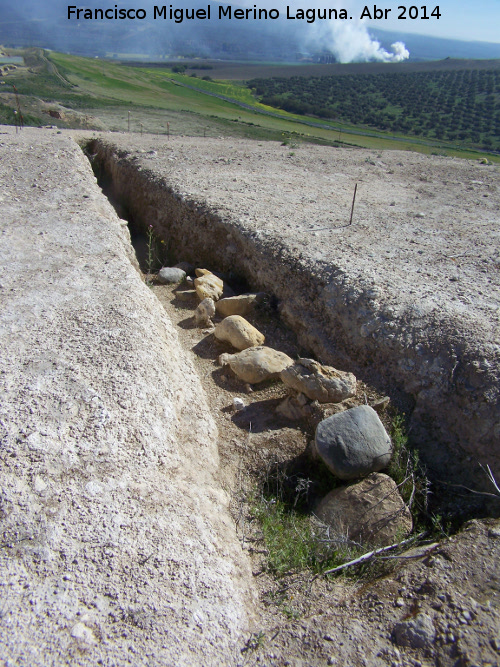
381,404
353,443
322,383
170,275
371,511
418,632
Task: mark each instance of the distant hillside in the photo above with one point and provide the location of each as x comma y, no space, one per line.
460,104
422,47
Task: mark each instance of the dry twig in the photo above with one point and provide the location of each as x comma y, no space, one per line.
372,554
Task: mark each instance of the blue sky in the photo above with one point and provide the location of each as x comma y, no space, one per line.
472,20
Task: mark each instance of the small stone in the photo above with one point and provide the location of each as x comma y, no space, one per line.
291,408
237,305
204,312
84,634
418,632
170,275
322,383
256,364
239,332
353,443
186,295
208,285
238,404
400,602
381,405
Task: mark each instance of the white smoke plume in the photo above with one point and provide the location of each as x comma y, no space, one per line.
351,42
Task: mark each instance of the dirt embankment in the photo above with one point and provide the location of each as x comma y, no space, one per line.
407,296
117,545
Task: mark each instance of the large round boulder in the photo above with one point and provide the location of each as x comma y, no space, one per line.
353,443
370,512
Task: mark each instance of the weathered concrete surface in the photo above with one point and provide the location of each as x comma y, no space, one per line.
116,544
407,297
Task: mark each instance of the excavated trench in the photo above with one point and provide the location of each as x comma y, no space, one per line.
429,376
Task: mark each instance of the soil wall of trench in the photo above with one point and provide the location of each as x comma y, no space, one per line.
435,366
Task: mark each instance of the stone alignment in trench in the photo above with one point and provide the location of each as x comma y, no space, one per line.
406,334
116,540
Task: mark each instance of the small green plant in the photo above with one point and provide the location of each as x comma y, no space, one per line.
155,253
295,540
150,251
406,469
255,641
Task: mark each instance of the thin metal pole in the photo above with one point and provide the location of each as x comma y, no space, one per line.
353,200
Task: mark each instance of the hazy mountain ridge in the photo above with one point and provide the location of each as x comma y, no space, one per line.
28,24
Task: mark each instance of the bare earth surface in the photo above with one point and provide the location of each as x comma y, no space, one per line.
407,297
117,545
124,473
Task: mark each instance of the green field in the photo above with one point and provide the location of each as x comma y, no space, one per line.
101,93
462,105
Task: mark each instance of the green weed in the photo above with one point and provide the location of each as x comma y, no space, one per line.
407,471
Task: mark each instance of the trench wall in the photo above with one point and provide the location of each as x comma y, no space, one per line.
117,544
434,367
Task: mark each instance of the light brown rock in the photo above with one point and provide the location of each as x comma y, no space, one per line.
371,511
204,312
294,408
186,295
322,383
202,272
208,285
239,332
237,305
256,364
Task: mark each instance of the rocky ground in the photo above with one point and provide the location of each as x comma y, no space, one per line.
407,296
118,546
436,604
